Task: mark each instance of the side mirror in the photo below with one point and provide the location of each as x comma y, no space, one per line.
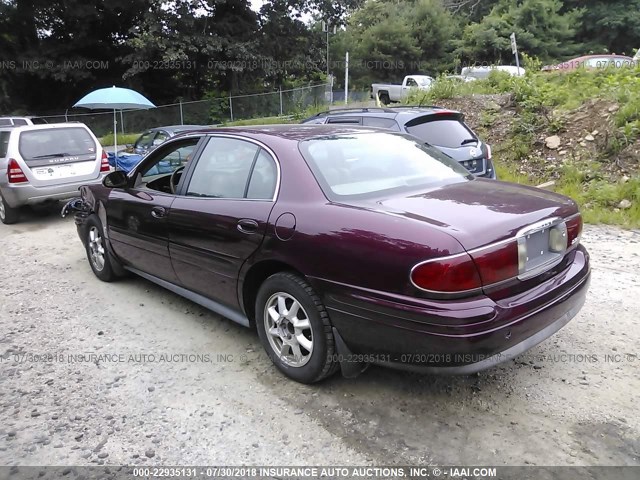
117,179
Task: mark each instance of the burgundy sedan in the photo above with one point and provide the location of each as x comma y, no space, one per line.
343,247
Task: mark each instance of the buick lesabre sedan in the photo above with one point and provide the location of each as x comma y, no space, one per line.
343,247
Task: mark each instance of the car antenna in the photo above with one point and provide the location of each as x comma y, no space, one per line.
422,100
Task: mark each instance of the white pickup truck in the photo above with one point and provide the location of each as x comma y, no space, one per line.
394,93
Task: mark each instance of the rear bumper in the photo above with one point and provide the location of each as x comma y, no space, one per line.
457,336
18,195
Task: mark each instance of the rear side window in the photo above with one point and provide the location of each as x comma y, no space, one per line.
233,169
380,122
5,122
448,133
349,120
56,142
19,121
4,143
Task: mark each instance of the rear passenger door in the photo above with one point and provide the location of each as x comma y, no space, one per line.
220,217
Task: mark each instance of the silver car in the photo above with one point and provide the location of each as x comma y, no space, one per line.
41,163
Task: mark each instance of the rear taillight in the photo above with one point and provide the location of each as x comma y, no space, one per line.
104,166
574,230
452,274
15,173
497,263
488,152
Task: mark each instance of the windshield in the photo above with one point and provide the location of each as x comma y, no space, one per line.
367,164
52,142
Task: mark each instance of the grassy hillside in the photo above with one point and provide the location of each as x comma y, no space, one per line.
580,129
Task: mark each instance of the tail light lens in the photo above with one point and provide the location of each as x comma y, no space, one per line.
104,166
15,173
452,274
488,152
574,230
497,263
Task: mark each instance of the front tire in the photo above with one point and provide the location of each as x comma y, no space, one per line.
97,254
294,328
8,214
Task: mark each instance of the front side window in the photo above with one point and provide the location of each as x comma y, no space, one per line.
161,163
233,169
367,164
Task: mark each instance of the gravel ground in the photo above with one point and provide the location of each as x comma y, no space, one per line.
141,376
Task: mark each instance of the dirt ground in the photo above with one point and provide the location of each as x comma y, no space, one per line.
137,375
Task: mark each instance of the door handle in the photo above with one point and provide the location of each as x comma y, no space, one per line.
246,225
158,212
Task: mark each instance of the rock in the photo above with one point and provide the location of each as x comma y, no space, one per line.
562,152
552,142
583,144
103,455
625,204
625,179
613,108
79,437
589,138
151,389
150,453
100,332
595,132
11,433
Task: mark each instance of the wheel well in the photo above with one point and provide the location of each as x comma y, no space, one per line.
256,275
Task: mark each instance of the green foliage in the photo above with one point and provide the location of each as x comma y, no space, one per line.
123,139
541,27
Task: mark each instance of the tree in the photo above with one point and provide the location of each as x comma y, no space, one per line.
612,26
541,28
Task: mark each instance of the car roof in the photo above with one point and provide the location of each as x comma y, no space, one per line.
586,57
293,132
406,111
178,128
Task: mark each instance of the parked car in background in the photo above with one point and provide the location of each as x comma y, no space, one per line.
460,78
343,247
591,62
443,128
482,72
154,137
395,93
19,121
40,163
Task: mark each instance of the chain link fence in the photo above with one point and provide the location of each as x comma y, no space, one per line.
212,111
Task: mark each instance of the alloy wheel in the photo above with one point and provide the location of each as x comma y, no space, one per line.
288,329
96,248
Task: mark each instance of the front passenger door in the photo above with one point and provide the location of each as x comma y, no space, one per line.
137,215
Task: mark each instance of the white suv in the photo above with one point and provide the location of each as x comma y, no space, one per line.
40,163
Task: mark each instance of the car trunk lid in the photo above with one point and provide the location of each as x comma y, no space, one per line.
479,212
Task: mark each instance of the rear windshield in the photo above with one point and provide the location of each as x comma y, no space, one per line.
367,164
449,133
58,142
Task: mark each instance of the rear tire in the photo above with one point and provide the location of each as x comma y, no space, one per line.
294,328
384,99
8,214
97,253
